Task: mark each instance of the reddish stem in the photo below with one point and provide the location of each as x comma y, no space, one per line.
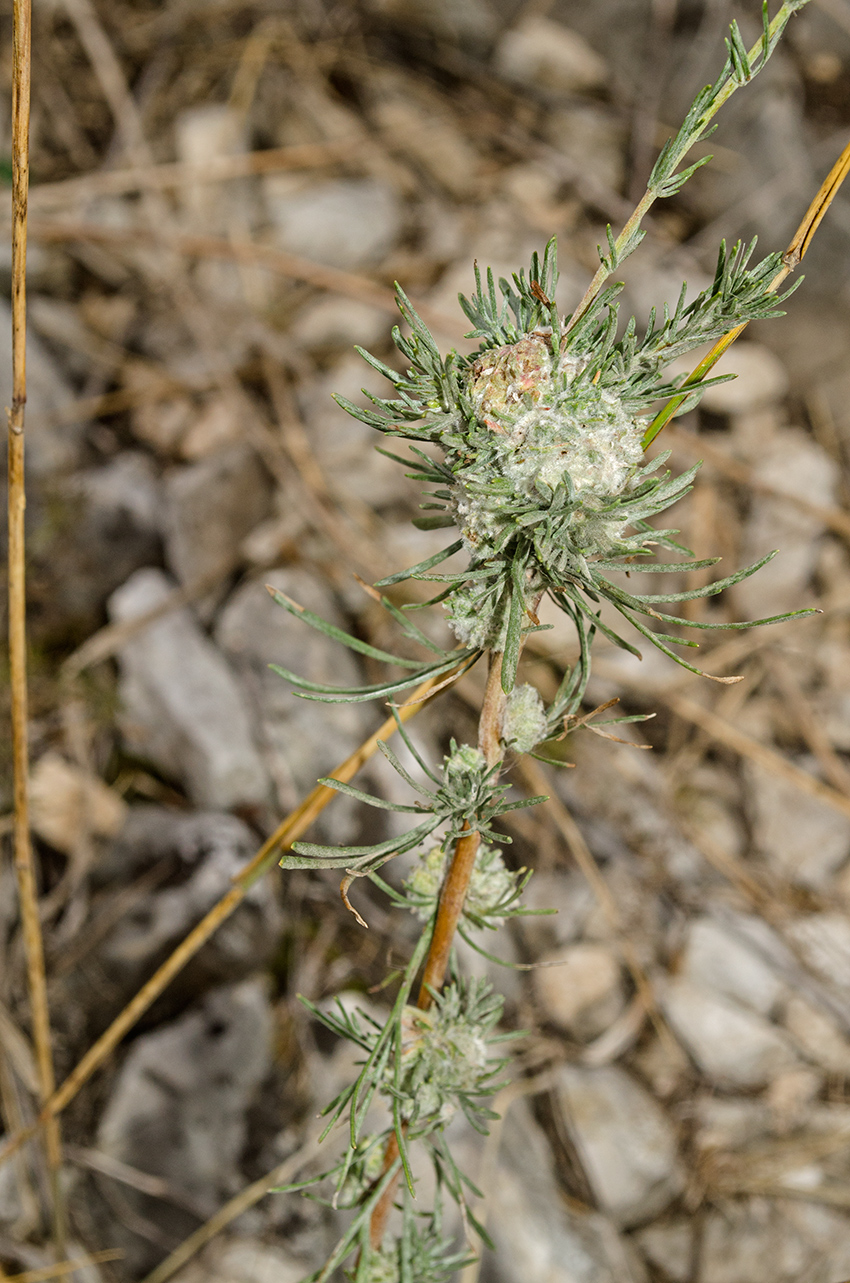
452,897
448,916
384,1205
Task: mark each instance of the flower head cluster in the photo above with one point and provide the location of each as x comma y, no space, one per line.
421,1255
549,429
541,435
444,1063
525,723
493,888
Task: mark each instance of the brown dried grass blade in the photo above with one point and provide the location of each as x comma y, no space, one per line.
792,257
240,1203
61,1268
284,835
24,862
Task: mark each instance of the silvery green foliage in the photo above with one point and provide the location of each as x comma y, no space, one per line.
417,1255
537,462
425,1066
542,464
525,723
467,797
493,890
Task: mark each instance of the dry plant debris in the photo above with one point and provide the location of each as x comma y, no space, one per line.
221,199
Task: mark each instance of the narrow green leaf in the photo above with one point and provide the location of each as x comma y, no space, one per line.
420,566
340,786
331,630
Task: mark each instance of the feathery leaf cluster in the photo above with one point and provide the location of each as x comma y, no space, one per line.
466,795
536,460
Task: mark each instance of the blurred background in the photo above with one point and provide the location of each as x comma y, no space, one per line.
223,193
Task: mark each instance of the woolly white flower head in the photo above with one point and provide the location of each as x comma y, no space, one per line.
524,722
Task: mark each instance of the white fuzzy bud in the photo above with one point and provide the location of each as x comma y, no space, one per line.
524,721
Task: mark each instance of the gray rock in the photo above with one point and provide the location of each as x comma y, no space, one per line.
128,483
580,989
49,447
344,222
112,530
635,807
178,1107
549,55
733,1046
670,1248
13,1194
573,901
302,740
243,1260
718,958
344,446
537,1236
211,506
206,850
728,1123
817,1036
181,705
202,134
760,379
801,837
592,139
626,1143
823,940
755,1240
794,465
335,322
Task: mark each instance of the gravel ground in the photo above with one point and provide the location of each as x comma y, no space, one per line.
223,193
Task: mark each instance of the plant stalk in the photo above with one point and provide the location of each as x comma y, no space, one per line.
723,94
791,259
24,863
287,832
449,910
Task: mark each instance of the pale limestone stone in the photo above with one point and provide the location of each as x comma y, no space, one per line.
732,1046
717,958
549,55
626,1142
580,989
181,705
348,223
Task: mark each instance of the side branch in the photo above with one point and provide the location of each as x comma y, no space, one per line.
449,910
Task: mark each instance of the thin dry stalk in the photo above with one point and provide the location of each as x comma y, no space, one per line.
793,256
383,1207
448,916
280,1175
332,279
284,835
175,174
831,763
24,863
724,732
62,1268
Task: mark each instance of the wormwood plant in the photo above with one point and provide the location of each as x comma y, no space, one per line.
537,462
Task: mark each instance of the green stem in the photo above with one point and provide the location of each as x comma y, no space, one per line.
628,239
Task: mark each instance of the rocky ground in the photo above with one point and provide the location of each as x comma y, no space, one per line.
223,193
